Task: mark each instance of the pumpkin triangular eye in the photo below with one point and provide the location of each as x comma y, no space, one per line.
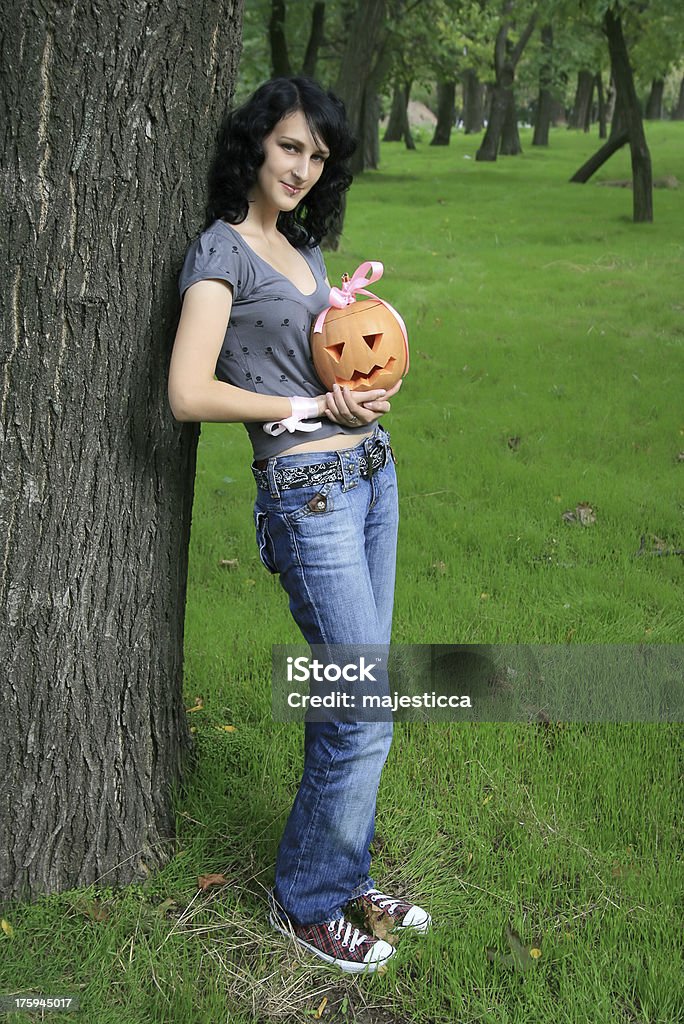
335,350
373,340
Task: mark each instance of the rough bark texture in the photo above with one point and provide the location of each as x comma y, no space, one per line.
109,115
580,116
446,105
510,138
506,57
678,112
542,121
365,40
280,60
473,102
316,36
654,103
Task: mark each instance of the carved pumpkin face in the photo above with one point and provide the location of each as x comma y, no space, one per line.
361,347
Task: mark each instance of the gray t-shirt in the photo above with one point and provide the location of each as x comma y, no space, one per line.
266,346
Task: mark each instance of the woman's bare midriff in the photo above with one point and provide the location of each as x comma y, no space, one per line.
328,444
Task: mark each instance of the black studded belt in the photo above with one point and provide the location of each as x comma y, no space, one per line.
318,473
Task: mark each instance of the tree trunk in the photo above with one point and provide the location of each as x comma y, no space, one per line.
506,57
603,123
611,97
280,60
365,42
581,108
510,139
678,112
642,175
446,104
544,101
315,39
105,188
626,126
654,103
473,102
371,134
396,122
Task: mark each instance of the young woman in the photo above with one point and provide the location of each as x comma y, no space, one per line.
326,507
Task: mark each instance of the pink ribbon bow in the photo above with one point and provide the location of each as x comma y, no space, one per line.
353,286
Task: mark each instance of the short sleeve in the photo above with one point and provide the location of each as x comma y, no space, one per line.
212,257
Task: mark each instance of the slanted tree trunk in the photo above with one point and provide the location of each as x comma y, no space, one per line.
654,103
106,150
627,125
678,111
506,57
544,101
316,35
580,116
280,60
446,106
473,102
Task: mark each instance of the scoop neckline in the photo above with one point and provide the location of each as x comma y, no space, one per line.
305,295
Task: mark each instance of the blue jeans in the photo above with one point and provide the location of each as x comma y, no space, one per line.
334,546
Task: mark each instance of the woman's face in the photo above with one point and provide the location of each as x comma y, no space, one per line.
293,163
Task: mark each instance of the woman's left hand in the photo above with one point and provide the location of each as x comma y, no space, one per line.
355,408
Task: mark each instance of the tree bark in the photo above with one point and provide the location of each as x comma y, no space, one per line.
397,120
473,102
506,57
510,138
280,59
580,116
108,115
542,121
678,112
642,175
365,43
654,103
446,105
316,36
602,119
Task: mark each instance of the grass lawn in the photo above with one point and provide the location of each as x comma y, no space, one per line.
546,338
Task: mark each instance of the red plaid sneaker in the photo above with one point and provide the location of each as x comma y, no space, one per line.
337,942
403,913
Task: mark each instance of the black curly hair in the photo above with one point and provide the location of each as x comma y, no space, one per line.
239,154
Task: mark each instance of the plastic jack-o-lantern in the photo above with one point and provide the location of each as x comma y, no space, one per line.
359,345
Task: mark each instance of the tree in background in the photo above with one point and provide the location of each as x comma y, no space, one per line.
110,114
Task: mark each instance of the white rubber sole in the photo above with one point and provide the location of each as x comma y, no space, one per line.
350,966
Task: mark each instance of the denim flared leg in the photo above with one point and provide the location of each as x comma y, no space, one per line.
338,567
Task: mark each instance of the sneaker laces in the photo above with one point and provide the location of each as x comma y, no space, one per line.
386,903
352,936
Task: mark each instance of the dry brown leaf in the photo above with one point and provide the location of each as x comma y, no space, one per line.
198,705
321,1007
380,924
204,881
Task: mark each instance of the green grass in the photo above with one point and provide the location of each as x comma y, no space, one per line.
536,310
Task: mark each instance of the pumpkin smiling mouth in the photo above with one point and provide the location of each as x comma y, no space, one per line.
367,378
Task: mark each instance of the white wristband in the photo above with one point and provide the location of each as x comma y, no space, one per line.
302,409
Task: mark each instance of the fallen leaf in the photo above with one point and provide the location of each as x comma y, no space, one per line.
226,728
487,799
535,952
7,928
204,881
321,1007
380,924
229,563
198,705
582,513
